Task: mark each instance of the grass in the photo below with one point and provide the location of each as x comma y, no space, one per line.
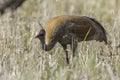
21,57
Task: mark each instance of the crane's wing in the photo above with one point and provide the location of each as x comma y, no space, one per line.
81,30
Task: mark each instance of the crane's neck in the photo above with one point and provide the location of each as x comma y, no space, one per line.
42,42
44,46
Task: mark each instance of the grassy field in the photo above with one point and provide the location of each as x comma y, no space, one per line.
21,57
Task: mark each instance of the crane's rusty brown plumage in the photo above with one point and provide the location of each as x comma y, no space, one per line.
70,30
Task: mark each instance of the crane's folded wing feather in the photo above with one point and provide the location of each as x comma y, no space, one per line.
80,30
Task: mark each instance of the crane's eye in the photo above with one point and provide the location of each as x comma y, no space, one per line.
42,33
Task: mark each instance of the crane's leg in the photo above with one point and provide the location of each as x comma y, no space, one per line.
73,46
66,52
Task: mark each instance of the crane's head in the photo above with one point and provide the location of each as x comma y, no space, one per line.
41,34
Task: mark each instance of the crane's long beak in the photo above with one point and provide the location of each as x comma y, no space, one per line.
36,36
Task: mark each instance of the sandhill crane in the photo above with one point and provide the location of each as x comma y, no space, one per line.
70,30
10,4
